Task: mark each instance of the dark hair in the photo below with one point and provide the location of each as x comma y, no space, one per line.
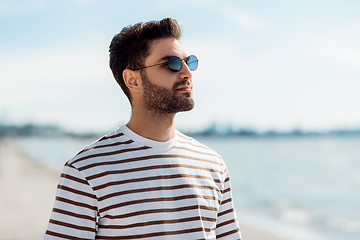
130,47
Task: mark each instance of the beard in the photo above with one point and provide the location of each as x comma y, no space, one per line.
166,101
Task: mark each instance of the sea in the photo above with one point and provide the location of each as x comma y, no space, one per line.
302,188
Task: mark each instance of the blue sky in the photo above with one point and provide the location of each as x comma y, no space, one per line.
263,64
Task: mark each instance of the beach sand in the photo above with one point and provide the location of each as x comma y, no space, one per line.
27,190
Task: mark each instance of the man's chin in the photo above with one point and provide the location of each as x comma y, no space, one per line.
188,106
187,109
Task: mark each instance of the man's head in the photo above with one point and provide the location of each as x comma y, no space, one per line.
164,91
130,48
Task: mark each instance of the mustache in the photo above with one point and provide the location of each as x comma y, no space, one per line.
181,83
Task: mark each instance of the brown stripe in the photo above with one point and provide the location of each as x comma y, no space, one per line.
225,223
67,164
227,179
195,145
162,210
188,138
76,203
191,150
75,179
106,145
144,224
150,157
112,136
75,215
185,136
156,234
110,153
153,179
162,188
165,199
226,190
68,225
149,168
226,212
65,236
226,201
228,233
76,191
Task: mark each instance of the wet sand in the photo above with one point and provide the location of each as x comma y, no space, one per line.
27,192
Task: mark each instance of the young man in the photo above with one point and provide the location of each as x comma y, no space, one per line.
146,180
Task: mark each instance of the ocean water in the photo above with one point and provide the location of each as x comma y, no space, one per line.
307,188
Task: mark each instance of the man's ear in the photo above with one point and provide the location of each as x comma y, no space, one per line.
131,79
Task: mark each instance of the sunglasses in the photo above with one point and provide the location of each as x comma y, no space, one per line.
174,63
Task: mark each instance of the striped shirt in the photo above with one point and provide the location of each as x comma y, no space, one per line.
125,186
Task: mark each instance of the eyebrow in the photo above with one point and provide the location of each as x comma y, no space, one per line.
164,58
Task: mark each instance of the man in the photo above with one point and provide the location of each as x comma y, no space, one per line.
146,180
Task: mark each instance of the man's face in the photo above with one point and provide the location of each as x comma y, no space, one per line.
164,91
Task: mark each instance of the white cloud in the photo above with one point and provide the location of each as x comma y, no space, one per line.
341,46
222,60
241,18
58,65
53,76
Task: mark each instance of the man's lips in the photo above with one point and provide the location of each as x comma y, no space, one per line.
185,88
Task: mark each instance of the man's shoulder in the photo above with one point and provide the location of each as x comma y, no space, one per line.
103,146
195,144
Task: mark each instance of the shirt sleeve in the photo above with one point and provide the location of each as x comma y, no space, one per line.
75,212
227,226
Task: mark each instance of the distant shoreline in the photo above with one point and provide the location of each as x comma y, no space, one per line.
213,130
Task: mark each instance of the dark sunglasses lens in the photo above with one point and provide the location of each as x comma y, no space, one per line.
174,63
192,62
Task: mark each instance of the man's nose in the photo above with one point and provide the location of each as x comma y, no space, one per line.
185,72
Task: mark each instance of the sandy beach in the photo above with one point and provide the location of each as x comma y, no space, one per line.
27,194
27,190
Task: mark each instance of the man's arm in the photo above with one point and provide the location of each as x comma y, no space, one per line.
227,226
74,215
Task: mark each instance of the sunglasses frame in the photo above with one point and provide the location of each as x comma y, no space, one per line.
172,69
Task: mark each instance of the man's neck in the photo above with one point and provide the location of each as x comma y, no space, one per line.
158,127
